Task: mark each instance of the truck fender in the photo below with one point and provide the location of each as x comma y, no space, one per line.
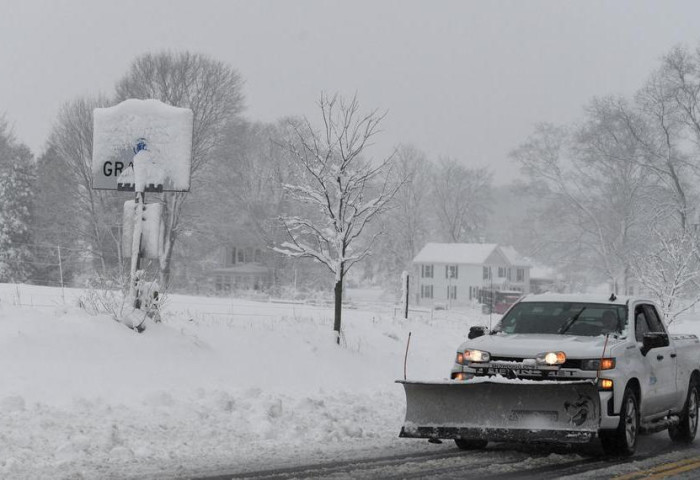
633,383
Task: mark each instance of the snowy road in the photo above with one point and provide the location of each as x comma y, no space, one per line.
656,457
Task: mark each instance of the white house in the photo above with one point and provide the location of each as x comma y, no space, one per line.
241,267
453,273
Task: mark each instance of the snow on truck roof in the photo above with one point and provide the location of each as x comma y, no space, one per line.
576,298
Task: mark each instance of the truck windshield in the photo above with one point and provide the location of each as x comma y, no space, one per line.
564,318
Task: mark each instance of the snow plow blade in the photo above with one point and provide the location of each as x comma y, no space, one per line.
566,412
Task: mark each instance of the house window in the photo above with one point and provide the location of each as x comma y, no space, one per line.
240,256
487,273
258,255
233,256
223,283
502,272
520,275
452,292
426,271
426,291
451,271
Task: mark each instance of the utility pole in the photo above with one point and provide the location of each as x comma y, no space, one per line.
60,272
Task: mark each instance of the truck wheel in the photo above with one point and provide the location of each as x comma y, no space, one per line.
623,440
685,431
471,444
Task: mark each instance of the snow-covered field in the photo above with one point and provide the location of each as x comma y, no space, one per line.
220,383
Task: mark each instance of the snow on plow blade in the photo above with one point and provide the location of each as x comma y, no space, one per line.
566,412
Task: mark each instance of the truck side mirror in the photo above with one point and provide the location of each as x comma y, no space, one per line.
653,340
477,331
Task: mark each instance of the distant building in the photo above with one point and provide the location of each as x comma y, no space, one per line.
545,279
449,274
241,268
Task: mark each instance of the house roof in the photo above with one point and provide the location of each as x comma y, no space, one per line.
513,256
467,253
472,253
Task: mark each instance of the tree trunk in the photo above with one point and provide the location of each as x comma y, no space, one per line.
164,264
338,301
338,308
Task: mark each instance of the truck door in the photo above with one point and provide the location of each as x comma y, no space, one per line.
666,359
659,365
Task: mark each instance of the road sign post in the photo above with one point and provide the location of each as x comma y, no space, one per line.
142,146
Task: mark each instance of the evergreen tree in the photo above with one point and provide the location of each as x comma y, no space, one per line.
16,176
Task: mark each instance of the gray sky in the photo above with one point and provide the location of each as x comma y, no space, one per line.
465,79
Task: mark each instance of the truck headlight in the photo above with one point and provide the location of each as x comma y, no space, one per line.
478,356
598,364
551,358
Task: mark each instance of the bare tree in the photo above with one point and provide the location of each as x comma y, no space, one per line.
241,195
461,198
341,190
253,167
620,188
664,117
213,91
69,158
595,187
407,227
679,77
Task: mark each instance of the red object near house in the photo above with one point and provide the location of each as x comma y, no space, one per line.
498,301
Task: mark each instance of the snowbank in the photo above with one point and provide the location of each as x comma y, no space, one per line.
219,383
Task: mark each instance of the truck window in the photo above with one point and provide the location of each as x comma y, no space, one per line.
563,318
647,321
641,326
655,324
653,320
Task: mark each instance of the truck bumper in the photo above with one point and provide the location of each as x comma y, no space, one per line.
499,434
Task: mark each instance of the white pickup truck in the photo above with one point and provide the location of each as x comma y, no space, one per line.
565,368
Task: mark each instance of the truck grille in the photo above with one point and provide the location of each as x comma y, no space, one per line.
569,363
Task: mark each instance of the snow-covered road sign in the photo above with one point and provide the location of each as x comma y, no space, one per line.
155,134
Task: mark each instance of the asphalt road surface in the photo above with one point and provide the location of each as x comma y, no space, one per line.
657,457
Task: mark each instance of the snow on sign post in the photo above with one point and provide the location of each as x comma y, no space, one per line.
142,146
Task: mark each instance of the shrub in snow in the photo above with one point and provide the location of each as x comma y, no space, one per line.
104,296
108,297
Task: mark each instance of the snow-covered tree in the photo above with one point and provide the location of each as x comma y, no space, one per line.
668,271
16,178
339,189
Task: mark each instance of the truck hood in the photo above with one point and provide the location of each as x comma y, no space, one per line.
529,345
